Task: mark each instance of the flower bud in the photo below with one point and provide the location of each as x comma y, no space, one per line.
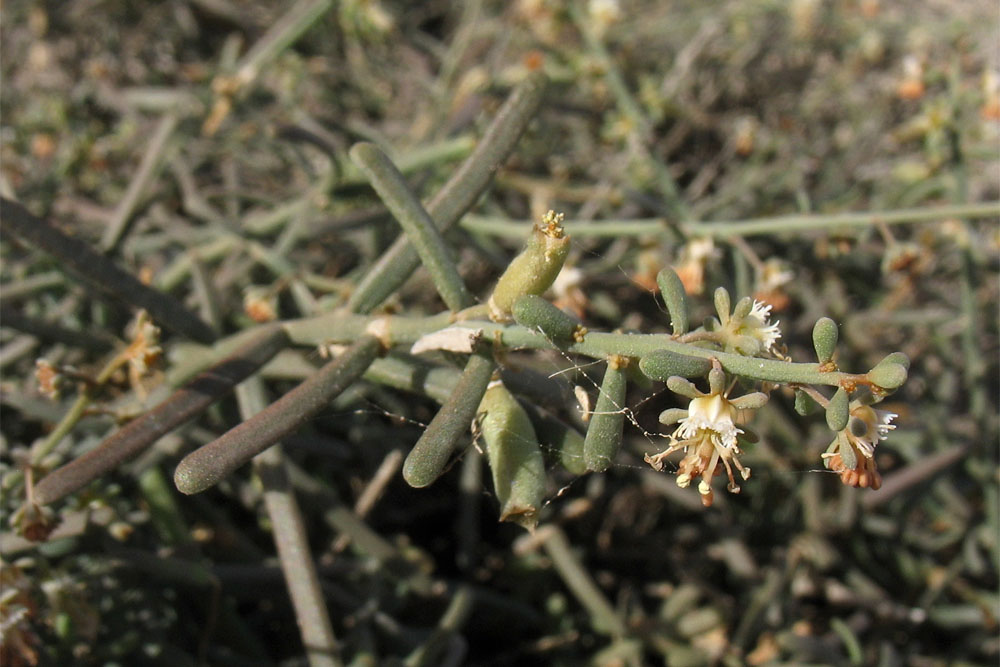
825,339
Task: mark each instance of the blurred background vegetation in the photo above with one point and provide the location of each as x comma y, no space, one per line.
133,116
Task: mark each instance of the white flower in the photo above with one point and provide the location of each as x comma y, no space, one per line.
708,436
869,426
852,452
756,324
713,415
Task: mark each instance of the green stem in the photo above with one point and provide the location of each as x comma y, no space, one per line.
281,35
344,328
602,615
628,105
291,540
148,169
789,224
416,223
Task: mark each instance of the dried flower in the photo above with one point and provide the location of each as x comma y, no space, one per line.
774,275
50,379
691,268
260,304
603,13
142,352
852,453
912,85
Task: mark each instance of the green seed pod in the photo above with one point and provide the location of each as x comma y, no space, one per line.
534,312
671,416
682,387
534,270
604,434
675,298
722,306
825,339
888,375
838,410
514,455
804,403
663,364
743,308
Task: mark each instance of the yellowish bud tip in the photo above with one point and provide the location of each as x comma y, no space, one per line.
552,225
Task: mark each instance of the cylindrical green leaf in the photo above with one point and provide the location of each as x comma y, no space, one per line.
662,364
675,298
428,458
514,455
722,304
534,312
205,466
535,269
415,221
458,195
837,411
825,339
604,434
98,273
888,375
